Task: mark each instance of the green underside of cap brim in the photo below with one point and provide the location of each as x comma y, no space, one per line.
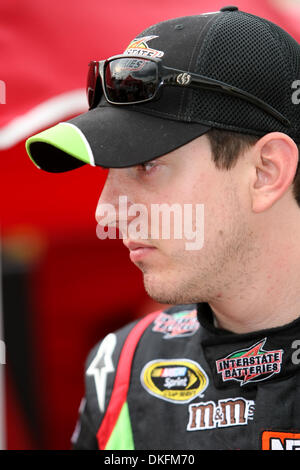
62,143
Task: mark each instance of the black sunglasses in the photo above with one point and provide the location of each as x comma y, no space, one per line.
133,79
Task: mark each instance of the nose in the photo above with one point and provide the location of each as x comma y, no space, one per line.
113,203
110,191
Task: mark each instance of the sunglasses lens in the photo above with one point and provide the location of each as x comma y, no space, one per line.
91,83
93,87
130,80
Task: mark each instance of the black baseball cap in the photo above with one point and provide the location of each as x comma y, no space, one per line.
234,47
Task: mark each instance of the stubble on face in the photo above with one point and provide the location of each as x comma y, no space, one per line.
222,265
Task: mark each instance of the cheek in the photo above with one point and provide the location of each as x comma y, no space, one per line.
182,219
221,216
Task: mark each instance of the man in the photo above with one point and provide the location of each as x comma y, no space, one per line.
202,112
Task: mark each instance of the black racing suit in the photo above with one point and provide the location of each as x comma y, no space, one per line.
174,381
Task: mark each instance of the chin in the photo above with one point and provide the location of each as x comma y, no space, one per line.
156,289
164,291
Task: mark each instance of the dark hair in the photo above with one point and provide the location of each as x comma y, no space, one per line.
228,146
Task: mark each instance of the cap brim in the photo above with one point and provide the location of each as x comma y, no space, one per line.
110,137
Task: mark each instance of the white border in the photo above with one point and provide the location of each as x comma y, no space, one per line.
2,382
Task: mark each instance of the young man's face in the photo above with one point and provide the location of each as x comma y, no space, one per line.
172,272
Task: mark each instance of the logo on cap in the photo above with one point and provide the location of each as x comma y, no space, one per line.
183,79
140,47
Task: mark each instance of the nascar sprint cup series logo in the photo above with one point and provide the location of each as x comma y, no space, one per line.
174,380
250,365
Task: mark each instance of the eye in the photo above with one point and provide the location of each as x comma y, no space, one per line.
147,167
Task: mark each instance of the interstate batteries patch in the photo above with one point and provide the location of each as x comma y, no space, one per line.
178,324
250,365
174,380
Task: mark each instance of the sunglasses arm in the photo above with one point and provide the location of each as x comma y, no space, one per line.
173,77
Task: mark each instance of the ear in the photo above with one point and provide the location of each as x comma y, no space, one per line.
275,157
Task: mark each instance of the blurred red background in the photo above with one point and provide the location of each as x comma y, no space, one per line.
63,289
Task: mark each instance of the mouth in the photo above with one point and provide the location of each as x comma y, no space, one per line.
138,250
